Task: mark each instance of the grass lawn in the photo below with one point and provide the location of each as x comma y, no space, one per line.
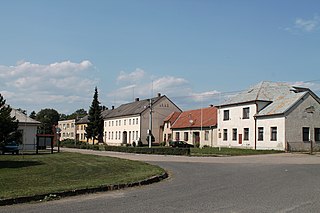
48,173
209,151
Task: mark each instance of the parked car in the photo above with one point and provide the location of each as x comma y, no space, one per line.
11,147
180,144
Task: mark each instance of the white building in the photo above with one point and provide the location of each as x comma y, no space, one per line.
68,129
28,128
130,122
270,116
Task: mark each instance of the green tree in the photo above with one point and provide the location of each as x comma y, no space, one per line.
48,118
33,115
94,129
8,124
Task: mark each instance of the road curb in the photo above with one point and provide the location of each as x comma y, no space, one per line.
52,196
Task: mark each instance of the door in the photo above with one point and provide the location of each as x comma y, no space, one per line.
124,137
240,138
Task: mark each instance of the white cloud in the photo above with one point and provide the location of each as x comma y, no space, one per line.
177,89
305,25
134,76
60,84
205,96
314,86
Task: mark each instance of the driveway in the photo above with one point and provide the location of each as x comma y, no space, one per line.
265,183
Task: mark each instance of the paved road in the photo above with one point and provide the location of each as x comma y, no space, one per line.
268,183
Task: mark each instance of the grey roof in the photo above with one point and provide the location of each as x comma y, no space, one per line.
83,120
133,108
281,97
22,118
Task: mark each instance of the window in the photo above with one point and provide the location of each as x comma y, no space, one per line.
119,122
109,123
109,136
177,136
112,123
125,122
116,122
119,135
137,135
234,134
186,138
129,121
225,115
137,121
206,135
245,113
246,134
317,134
116,135
225,134
273,133
305,134
260,133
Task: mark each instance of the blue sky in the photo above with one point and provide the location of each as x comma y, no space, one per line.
53,53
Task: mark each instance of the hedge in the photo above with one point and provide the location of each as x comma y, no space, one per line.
129,149
147,150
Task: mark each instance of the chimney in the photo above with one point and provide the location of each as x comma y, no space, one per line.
112,107
159,94
137,99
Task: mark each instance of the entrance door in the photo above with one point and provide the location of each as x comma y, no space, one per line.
240,138
124,137
196,138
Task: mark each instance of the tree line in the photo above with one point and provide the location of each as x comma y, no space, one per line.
49,118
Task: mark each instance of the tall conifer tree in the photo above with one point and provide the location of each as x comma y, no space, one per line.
8,124
94,129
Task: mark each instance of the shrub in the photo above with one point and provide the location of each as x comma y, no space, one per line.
134,144
147,150
163,143
197,144
140,144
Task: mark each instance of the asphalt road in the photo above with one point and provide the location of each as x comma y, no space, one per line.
266,183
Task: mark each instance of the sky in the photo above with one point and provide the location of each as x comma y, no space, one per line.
196,52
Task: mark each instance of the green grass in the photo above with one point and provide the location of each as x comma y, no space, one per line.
229,151
48,173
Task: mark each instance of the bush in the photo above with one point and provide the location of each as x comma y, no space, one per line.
140,144
134,144
163,143
147,150
197,144
70,143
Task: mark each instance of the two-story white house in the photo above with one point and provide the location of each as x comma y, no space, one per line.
270,116
130,122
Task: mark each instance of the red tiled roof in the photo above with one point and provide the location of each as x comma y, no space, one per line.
192,118
172,117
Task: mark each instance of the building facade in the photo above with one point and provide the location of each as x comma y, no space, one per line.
197,127
130,122
28,128
68,129
270,116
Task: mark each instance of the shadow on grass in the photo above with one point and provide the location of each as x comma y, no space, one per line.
18,164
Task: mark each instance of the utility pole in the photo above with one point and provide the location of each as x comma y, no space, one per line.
150,123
